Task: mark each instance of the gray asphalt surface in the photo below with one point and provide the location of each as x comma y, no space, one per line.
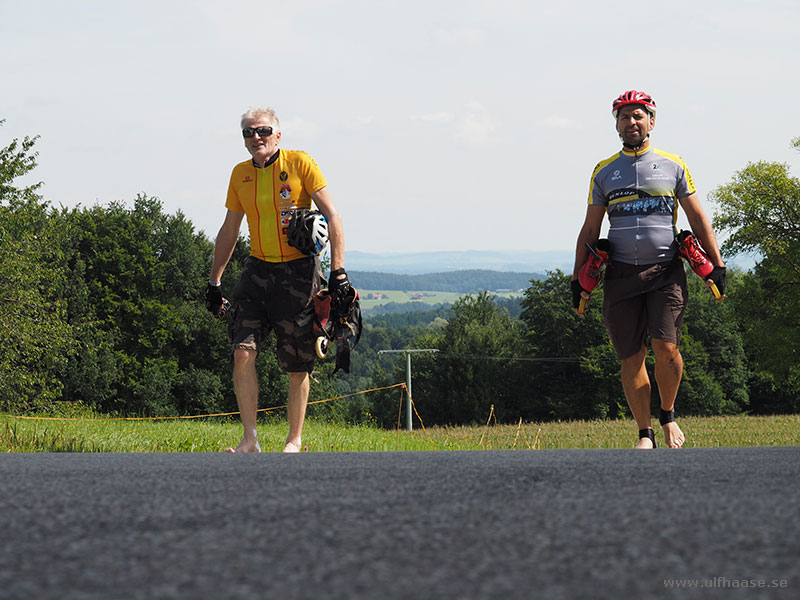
506,524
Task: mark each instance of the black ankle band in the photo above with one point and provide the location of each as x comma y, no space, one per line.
666,416
648,433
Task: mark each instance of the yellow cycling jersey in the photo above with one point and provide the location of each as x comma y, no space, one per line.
267,196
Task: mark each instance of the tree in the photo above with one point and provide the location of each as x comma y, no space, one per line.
135,302
35,340
577,373
472,369
760,209
715,367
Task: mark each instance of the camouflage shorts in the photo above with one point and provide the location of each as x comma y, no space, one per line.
278,297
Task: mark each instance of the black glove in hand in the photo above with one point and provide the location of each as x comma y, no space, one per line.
718,276
339,286
214,299
576,293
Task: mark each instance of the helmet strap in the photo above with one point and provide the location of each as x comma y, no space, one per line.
635,148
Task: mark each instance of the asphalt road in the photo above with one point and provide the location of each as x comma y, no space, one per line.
505,524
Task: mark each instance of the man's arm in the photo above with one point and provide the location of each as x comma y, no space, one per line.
588,235
323,201
226,242
701,227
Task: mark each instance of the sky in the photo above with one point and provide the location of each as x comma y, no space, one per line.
439,125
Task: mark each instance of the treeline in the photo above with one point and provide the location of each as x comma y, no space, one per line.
462,282
101,307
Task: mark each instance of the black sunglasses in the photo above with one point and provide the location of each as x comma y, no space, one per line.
263,132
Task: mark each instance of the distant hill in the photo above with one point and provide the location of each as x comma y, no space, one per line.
445,261
464,282
532,262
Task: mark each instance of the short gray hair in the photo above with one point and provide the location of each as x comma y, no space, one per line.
258,112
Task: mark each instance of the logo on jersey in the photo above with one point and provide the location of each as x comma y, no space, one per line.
284,176
616,175
656,172
286,192
247,179
638,202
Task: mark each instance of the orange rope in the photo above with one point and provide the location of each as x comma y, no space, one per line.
227,414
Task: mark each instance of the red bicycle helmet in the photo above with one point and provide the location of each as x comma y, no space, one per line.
634,97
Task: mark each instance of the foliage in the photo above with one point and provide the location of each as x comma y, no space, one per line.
101,309
760,209
715,369
471,370
136,283
35,339
577,375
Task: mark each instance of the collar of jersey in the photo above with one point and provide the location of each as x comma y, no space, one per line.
627,152
271,160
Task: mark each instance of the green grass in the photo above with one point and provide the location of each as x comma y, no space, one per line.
216,434
429,298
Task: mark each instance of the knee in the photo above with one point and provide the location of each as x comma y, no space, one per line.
298,378
666,351
636,359
242,357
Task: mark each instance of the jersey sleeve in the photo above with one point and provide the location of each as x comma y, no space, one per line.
312,177
685,185
596,196
232,201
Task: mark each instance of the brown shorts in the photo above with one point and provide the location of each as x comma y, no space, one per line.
278,297
642,300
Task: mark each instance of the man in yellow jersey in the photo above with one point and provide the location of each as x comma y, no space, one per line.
278,283
641,189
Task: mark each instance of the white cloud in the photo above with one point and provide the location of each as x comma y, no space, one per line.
450,76
362,121
560,123
465,36
299,127
470,123
437,117
475,126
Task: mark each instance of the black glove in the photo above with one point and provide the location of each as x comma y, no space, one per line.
214,299
576,293
718,277
339,286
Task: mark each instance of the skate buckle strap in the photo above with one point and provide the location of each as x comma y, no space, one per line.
648,433
666,416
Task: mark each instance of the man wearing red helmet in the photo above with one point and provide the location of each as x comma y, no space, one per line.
641,189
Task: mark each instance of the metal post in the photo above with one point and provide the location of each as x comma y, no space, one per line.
409,425
408,352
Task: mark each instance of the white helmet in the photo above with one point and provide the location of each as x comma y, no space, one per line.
308,231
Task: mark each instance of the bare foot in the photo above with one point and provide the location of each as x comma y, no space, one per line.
673,436
292,447
246,445
644,444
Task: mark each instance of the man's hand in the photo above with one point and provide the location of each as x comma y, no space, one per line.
215,303
339,284
717,277
580,297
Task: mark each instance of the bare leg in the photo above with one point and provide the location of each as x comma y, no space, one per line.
669,370
299,386
245,382
636,384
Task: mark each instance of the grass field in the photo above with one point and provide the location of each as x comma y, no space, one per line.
216,434
422,297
